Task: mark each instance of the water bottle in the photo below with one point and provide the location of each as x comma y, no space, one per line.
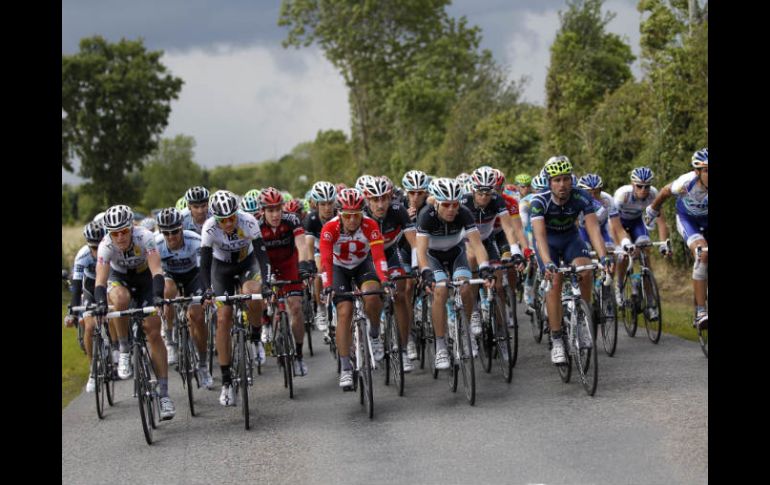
451,319
418,310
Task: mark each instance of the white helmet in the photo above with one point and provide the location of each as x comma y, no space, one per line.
445,189
223,203
323,192
363,179
118,217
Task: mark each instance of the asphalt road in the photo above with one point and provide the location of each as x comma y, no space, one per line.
647,424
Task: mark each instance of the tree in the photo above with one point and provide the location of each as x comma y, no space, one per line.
586,64
169,171
115,103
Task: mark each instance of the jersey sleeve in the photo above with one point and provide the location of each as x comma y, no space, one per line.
104,253
207,234
537,208
423,221
78,268
588,205
404,220
376,243
328,236
679,186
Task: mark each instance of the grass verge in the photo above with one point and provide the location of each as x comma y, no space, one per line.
74,363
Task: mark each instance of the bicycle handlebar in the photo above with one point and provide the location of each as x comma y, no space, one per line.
148,310
475,281
231,298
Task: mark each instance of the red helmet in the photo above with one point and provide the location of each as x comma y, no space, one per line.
270,197
500,179
350,200
340,186
293,206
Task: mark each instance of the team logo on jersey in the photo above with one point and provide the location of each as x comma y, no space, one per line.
327,236
376,234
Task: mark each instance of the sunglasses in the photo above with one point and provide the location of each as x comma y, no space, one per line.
450,205
173,232
351,215
641,186
224,220
121,232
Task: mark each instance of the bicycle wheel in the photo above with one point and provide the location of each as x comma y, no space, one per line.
485,342
514,332
396,357
288,351
243,377
309,317
366,368
211,338
537,318
387,340
609,318
429,353
651,300
109,374
629,307
703,339
185,365
565,370
97,372
466,358
143,393
502,342
586,358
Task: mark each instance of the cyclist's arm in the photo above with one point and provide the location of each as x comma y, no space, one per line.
541,240
158,283
422,251
617,232
664,194
513,231
300,242
207,253
76,287
380,262
102,274
261,252
327,258
479,251
595,234
662,227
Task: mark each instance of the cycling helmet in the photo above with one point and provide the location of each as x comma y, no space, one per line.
306,205
99,219
376,187
523,179
197,195
363,179
642,175
323,192
118,217
271,197
484,178
286,196
445,189
350,200
169,218
223,203
249,204
462,178
254,193
555,166
700,158
294,206
415,180
181,204
148,223
539,182
93,233
590,181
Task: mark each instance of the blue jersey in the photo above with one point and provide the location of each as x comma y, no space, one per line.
561,218
184,259
189,224
85,265
691,198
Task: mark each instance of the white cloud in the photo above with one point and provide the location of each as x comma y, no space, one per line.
255,103
527,50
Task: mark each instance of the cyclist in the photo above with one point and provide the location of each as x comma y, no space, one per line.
441,229
486,207
180,258
82,289
538,184
197,211
231,245
250,205
324,194
352,251
149,224
692,193
181,204
360,181
416,184
284,239
393,220
553,215
607,214
631,201
523,189
128,261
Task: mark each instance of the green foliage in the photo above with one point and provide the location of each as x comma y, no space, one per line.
169,171
69,205
115,102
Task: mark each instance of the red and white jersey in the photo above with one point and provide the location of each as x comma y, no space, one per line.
350,250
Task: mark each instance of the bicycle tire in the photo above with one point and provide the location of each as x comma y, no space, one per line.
185,365
565,370
703,339
367,372
537,319
430,335
81,342
466,359
386,336
142,384
397,357
211,339
653,327
244,378
109,374
629,308
514,336
485,342
502,340
97,372
586,359
609,317
288,343
308,312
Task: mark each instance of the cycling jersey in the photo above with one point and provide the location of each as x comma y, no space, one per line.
235,247
443,235
629,206
279,241
189,224
485,217
393,225
560,219
339,248
513,209
182,260
691,197
313,226
134,259
85,265
605,208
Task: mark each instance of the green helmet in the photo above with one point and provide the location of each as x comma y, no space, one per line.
523,179
287,196
306,205
556,166
181,204
253,193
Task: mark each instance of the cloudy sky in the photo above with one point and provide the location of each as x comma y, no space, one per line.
248,99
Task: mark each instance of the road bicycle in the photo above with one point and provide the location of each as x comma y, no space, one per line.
494,339
640,293
187,359
605,311
394,357
308,311
103,370
284,347
703,333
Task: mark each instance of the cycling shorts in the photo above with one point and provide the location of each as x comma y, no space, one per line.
563,247
190,281
453,261
343,278
636,229
692,228
138,284
223,274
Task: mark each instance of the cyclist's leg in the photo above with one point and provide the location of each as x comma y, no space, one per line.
577,252
119,297
461,270
196,318
553,297
223,281
169,291
342,281
690,228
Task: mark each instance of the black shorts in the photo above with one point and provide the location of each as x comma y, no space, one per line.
223,274
190,282
343,278
138,284
399,263
453,261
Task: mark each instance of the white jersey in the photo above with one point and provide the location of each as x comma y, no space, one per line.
182,260
691,196
135,258
605,208
629,206
235,247
189,224
85,265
